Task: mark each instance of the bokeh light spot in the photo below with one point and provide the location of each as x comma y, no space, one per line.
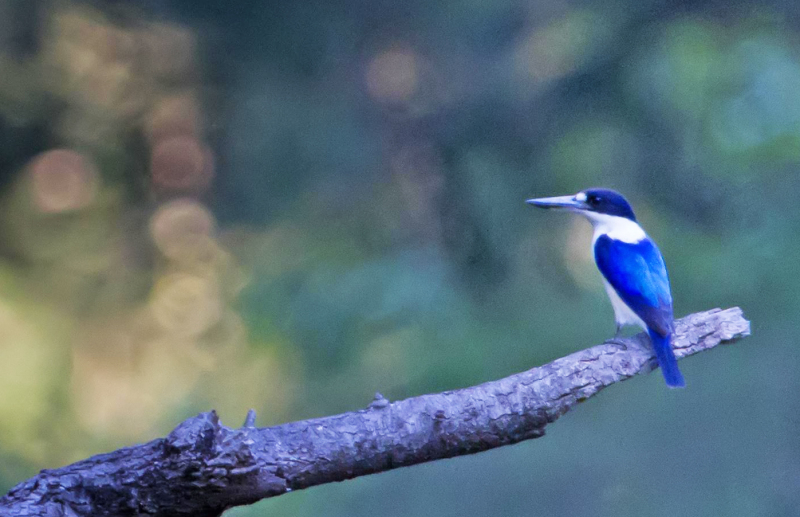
186,305
181,163
393,75
63,181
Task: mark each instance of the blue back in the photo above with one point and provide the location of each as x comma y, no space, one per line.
638,274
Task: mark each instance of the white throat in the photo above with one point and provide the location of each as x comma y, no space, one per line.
616,227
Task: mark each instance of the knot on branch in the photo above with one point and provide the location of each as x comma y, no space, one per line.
197,434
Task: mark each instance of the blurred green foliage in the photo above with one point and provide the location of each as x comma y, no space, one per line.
291,205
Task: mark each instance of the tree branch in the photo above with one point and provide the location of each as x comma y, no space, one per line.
203,467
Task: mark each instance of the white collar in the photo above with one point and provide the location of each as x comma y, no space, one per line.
616,227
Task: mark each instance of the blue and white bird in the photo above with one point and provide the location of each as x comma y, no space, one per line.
635,275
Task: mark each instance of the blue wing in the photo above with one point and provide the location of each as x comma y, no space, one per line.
638,275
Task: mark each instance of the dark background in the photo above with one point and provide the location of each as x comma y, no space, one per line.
291,205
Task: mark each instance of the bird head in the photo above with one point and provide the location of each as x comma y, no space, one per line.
589,203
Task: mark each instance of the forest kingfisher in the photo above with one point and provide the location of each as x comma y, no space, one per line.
634,273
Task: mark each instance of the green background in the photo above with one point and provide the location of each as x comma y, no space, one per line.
358,225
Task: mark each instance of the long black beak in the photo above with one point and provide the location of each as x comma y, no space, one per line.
568,202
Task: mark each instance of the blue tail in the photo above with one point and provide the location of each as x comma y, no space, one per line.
666,360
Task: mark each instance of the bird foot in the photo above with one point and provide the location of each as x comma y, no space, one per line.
619,341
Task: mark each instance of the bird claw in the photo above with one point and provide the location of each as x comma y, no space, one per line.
618,339
620,342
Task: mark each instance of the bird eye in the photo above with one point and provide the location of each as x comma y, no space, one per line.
593,199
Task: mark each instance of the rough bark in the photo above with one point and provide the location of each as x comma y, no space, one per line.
202,467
